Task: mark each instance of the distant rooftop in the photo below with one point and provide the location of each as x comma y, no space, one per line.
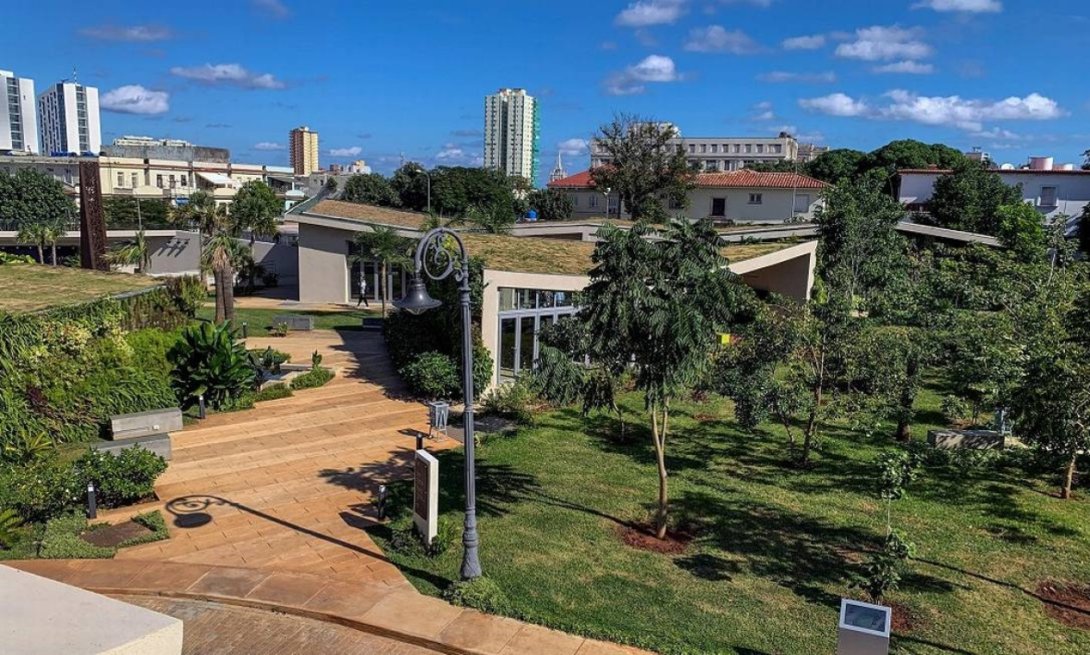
369,214
741,179
34,287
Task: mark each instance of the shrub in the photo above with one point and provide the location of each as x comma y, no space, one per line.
954,409
121,479
281,329
513,400
210,360
153,521
405,539
61,540
9,527
481,594
315,377
269,359
40,491
432,375
273,392
149,350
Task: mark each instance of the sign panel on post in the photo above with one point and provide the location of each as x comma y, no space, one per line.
863,628
426,495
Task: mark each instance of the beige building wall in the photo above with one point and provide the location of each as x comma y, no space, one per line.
304,150
773,206
323,264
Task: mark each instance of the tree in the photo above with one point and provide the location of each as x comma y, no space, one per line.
646,170
551,204
331,185
969,199
781,166
659,305
387,248
33,197
457,189
860,247
410,182
370,189
126,211
132,253
219,247
836,165
909,153
1021,229
494,219
1084,229
1086,160
255,210
34,233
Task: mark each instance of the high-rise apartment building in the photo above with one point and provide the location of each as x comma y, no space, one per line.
68,113
304,150
511,133
18,117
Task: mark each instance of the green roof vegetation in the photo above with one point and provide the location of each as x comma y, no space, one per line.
567,257
33,287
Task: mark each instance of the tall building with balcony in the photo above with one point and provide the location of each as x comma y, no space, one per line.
18,115
69,118
511,133
304,150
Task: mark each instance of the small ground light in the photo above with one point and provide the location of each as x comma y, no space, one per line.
382,495
92,505
201,412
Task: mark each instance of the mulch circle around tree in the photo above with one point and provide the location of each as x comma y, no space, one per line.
643,537
113,535
1067,602
904,619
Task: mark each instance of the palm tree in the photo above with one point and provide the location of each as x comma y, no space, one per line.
34,233
219,247
53,233
132,253
384,245
496,218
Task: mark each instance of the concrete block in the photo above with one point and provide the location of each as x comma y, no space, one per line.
143,424
39,616
976,439
295,321
156,443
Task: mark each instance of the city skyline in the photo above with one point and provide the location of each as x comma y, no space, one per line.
852,75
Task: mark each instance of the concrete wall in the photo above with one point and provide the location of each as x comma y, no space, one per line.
1072,189
179,254
323,264
788,272
280,257
775,207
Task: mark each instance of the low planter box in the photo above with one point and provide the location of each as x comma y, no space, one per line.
975,439
295,322
145,424
156,443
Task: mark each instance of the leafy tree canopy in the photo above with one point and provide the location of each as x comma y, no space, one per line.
909,153
836,165
30,196
121,210
255,209
370,189
969,199
551,204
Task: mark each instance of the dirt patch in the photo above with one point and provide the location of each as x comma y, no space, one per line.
643,537
111,536
1067,602
704,418
904,619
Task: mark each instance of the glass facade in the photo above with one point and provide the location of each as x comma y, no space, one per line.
522,315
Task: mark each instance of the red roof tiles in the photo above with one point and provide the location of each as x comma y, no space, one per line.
743,179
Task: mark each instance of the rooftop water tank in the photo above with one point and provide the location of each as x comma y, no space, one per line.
1006,167
1067,167
1040,163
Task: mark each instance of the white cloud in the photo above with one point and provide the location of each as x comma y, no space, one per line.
967,6
452,155
271,8
644,13
346,152
762,111
835,104
779,77
812,42
133,33
756,3
572,147
715,38
907,66
880,43
229,74
632,80
997,133
268,145
963,113
135,99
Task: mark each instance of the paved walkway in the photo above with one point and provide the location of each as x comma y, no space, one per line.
288,486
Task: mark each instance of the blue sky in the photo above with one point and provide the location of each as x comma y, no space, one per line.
378,79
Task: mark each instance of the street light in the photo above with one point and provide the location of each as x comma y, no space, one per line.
434,260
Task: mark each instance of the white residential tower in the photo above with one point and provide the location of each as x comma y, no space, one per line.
511,133
69,117
18,117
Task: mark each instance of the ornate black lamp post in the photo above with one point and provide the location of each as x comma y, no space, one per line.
437,262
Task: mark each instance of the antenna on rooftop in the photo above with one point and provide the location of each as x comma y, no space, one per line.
74,80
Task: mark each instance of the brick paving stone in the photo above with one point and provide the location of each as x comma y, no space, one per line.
232,583
479,632
412,613
535,640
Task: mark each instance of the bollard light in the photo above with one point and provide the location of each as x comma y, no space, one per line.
245,330
201,412
92,506
382,494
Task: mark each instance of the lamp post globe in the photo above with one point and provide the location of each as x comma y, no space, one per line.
432,250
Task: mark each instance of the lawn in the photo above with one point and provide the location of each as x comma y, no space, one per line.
773,546
259,320
33,287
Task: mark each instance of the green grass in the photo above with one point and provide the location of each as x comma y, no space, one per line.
260,320
33,287
774,545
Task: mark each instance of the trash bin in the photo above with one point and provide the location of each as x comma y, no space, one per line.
438,413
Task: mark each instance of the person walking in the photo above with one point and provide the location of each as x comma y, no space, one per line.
363,290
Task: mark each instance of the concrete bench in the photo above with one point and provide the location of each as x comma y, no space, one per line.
975,439
295,322
145,424
156,443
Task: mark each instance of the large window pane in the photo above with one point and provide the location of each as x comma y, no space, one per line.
507,299
507,348
526,343
526,299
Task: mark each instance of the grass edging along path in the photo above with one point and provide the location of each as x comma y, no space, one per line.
260,320
774,547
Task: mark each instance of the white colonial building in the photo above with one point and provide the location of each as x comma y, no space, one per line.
740,196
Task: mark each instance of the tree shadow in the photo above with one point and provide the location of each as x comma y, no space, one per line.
708,567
